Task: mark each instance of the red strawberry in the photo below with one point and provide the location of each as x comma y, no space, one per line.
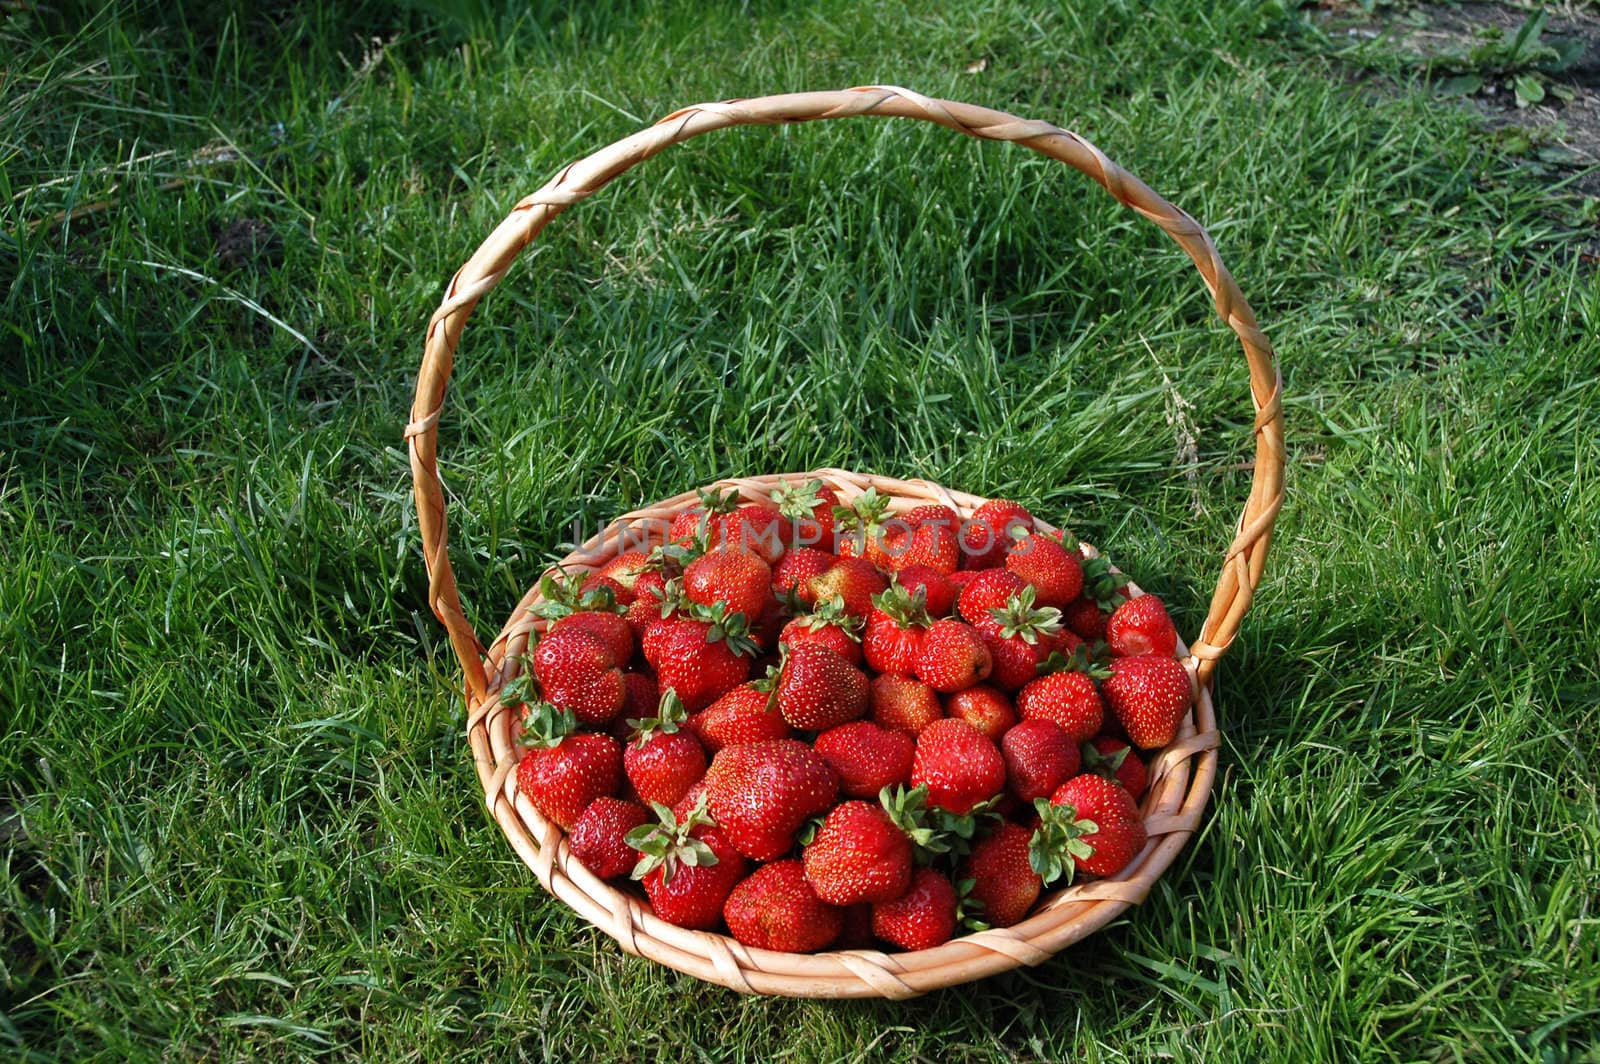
662,761
858,855
938,590
564,770
959,764
1149,694
1085,618
807,511
953,657
961,578
798,567
1141,626
895,629
760,793
989,590
989,532
775,908
818,689
1116,759
757,528
859,528
867,757
1024,638
1052,569
688,868
746,714
1066,699
703,521
693,799
643,696
829,625
653,593
1002,877
903,704
857,930
701,660
984,708
1093,820
598,836
1039,757
921,918
620,574
610,628
924,536
736,577
580,672
852,580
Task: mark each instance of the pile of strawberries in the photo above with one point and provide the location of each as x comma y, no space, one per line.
833,726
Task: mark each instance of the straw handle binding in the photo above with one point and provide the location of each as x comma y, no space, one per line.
1245,556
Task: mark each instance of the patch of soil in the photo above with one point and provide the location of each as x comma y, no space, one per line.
1433,30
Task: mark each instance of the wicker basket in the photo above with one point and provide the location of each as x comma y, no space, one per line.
1181,774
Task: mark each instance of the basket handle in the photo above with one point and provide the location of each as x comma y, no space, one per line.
1245,556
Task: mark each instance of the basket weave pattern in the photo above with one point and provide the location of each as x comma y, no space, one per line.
1181,775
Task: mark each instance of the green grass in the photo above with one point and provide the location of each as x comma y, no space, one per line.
237,816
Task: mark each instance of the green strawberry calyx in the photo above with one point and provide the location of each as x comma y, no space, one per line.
1082,659
668,719
671,597
1101,584
667,844
798,502
1059,838
933,832
1020,618
561,593
863,519
1102,764
671,559
969,909
832,612
731,628
908,609
521,688
546,725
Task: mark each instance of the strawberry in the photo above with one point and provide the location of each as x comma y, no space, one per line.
953,657
857,930
858,855
903,704
688,868
775,908
1149,694
662,761
1067,699
807,511
989,532
852,580
818,689
700,659
1039,757
1085,618
598,836
655,597
859,528
938,590
619,574
563,770
767,626
736,577
1002,878
562,592
610,628
962,577
924,536
895,629
703,523
1025,636
642,696
1103,592
746,714
760,793
984,708
959,765
1052,569
1091,819
579,671
828,624
797,568
1141,626
921,918
692,799
867,757
983,594
1116,759
756,528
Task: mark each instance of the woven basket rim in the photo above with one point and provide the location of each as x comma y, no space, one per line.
850,973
